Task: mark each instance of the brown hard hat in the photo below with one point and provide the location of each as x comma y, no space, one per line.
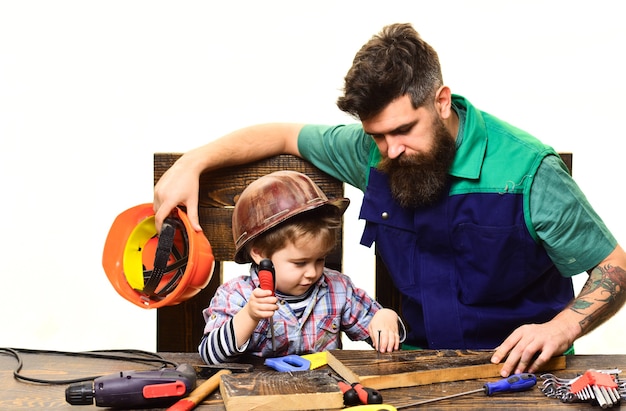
272,199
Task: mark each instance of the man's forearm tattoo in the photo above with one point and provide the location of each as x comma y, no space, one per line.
605,292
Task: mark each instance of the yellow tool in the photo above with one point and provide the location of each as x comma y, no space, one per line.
373,407
318,359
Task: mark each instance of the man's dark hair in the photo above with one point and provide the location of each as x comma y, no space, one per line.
391,64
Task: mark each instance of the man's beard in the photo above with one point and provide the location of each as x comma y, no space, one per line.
419,180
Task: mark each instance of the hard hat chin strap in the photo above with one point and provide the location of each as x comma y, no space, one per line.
165,248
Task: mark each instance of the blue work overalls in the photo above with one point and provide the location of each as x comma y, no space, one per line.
468,268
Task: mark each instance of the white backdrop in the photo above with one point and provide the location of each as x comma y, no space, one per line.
90,90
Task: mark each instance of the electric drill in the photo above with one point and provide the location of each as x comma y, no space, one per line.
135,389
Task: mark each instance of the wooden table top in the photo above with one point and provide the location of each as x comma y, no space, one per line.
18,395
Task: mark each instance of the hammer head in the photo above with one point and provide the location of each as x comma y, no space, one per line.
206,371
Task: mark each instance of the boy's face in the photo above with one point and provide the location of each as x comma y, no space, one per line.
298,266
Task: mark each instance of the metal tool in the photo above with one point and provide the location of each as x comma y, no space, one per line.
134,389
514,383
267,281
596,386
206,371
356,393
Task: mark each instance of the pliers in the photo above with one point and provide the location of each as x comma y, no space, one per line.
356,394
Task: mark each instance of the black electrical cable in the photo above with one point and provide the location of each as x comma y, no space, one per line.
122,355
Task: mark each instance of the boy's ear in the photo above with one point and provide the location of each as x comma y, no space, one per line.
256,255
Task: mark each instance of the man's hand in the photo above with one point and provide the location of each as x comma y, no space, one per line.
532,345
178,186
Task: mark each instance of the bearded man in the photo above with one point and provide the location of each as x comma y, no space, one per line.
479,223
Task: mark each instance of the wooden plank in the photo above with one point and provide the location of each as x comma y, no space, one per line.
270,390
421,367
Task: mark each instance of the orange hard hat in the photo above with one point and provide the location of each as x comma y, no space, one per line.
152,270
272,199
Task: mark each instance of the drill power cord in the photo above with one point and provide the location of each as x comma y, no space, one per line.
138,356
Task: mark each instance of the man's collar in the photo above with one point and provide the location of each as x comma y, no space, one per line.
471,152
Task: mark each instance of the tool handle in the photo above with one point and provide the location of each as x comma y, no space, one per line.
350,396
200,393
288,363
367,395
514,383
267,275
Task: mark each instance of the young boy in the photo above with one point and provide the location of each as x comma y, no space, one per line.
285,217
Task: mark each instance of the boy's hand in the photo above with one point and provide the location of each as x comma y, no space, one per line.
385,321
261,304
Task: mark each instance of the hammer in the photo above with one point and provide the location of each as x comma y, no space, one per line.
206,388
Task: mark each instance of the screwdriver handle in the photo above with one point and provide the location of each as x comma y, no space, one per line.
267,281
514,383
267,275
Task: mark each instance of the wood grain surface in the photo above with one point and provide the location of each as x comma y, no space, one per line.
302,390
16,395
410,368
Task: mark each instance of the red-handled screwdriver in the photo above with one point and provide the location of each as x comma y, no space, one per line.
267,281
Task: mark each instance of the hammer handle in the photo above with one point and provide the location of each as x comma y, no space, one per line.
199,394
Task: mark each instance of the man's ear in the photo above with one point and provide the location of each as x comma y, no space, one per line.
443,102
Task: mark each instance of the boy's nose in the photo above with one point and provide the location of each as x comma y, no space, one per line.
310,273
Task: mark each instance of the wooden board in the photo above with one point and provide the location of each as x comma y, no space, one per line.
411,368
270,390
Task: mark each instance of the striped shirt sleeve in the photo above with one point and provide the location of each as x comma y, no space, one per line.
220,345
